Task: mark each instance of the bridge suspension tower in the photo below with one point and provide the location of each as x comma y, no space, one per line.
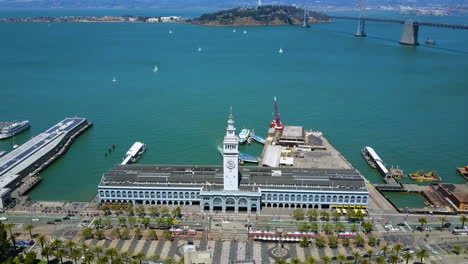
362,20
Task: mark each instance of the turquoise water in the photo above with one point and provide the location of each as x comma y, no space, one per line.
406,200
408,103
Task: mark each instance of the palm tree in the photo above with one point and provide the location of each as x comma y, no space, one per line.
60,253
41,239
326,259
295,261
394,258
407,256
154,257
278,261
97,250
397,248
341,258
370,253
89,257
463,219
111,253
442,220
380,260
29,228
47,252
422,221
140,256
125,256
356,256
75,254
84,249
70,245
310,260
422,254
102,260
9,226
457,249
384,249
56,243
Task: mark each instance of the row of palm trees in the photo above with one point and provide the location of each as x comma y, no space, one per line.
325,215
392,255
83,253
443,220
139,210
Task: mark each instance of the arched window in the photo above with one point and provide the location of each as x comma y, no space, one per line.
286,197
187,195
328,198
112,193
130,194
358,199
293,197
153,195
311,198
316,198
158,195
124,194
101,193
141,195
346,199
192,195
176,195
364,199
353,200
334,198
269,197
275,197
281,197
299,198
340,199
169,195
164,195
322,198
107,193
146,194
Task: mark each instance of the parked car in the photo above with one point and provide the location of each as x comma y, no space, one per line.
35,220
66,218
3,218
58,220
51,222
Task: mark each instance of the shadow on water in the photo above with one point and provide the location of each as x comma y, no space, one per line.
347,33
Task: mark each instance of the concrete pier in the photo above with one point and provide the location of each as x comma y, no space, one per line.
360,29
410,33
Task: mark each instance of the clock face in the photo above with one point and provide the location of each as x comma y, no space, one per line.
230,164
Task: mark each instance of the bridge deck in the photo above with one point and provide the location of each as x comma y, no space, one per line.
399,21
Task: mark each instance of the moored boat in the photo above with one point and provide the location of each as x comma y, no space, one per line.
244,135
420,176
9,129
368,159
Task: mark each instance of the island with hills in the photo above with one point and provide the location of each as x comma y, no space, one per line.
260,16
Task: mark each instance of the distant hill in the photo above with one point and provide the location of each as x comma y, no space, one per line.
263,15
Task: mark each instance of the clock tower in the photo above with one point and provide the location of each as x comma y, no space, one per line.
231,157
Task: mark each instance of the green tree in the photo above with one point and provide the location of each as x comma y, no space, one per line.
60,253
4,244
89,257
97,223
457,249
154,211
340,227
346,242
124,233
87,233
122,221
137,234
70,245
168,235
333,242
312,214
125,256
310,260
336,216
384,250
30,258
422,254
394,258
281,261
140,210
422,221
84,249
98,251
327,228
304,242
41,240
102,260
397,248
357,256
111,253
370,253
164,211
145,221
354,228
105,209
367,227
325,215
319,241
29,228
75,254
298,214
296,261
132,221
56,243
442,220
154,257
47,252
407,256
140,256
153,235
129,210
326,259
359,240
9,226
314,227
99,234
463,219
380,260
372,241
107,223
170,261
303,227
341,258
177,212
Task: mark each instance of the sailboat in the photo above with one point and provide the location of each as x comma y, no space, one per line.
155,68
280,51
170,31
199,49
234,30
245,31
114,80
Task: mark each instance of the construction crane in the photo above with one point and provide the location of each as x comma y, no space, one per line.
276,124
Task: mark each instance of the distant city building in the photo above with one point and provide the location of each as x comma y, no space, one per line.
152,20
230,188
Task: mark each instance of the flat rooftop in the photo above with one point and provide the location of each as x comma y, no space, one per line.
293,132
252,178
459,191
17,160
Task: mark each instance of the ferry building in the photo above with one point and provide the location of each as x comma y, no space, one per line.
233,188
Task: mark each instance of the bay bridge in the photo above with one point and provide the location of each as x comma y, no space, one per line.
410,32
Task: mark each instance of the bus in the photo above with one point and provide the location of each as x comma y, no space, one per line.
460,231
348,235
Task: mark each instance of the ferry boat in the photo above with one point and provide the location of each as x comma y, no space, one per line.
2,153
365,154
244,135
429,41
463,171
9,129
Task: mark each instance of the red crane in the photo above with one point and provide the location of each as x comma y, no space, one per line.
277,122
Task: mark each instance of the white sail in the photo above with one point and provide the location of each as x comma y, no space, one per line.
280,50
155,68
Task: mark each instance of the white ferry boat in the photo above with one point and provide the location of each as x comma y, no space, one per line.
244,135
9,129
